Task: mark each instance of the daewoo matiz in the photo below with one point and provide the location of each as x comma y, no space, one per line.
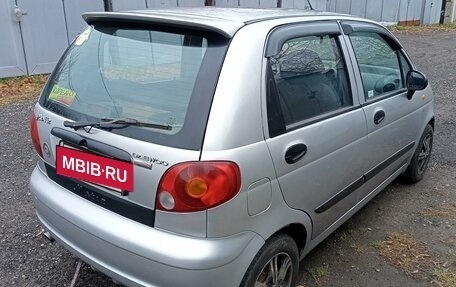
217,147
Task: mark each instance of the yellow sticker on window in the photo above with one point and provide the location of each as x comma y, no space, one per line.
62,95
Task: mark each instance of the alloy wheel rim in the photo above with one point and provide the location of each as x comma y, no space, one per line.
425,153
278,272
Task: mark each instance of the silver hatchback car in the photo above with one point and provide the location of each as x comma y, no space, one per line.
192,146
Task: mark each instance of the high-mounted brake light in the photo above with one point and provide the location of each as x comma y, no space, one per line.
195,186
35,135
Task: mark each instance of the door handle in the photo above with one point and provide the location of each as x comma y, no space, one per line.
295,153
379,116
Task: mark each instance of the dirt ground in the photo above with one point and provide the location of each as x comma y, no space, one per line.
405,237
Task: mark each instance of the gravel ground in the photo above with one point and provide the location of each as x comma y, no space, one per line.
346,258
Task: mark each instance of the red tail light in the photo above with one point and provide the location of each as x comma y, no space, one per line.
34,134
196,186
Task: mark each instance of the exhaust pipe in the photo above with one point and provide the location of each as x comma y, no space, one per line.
48,236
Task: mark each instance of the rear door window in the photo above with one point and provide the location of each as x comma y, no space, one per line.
311,78
130,72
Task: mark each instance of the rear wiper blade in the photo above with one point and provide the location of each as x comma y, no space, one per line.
110,124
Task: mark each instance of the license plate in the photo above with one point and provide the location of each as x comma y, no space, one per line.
94,168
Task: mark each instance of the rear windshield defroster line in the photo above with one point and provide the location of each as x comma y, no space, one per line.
71,85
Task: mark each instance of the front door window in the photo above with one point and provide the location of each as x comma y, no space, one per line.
378,64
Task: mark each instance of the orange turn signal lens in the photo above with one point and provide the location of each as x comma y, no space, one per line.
196,187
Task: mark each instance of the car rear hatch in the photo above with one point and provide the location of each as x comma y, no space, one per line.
126,102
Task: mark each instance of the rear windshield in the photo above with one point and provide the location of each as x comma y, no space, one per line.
153,75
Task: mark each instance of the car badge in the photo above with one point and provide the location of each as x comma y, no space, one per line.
147,161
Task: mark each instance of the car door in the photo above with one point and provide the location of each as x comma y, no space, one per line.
316,128
393,120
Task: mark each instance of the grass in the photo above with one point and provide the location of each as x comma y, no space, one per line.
445,277
319,273
379,245
447,27
344,236
21,89
448,211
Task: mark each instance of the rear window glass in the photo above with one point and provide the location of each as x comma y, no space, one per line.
158,76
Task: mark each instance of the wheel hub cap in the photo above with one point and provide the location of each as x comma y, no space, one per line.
277,272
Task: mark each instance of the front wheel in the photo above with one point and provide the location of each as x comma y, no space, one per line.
418,165
275,265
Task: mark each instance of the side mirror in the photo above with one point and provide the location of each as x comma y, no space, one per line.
415,81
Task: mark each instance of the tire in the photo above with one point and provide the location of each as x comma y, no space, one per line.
418,165
280,249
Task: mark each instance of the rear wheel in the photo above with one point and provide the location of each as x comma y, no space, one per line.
418,165
275,265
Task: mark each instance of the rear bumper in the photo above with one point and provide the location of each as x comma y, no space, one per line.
133,253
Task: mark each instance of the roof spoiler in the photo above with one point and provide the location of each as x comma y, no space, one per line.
226,28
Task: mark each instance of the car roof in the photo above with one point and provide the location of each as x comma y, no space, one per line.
225,21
